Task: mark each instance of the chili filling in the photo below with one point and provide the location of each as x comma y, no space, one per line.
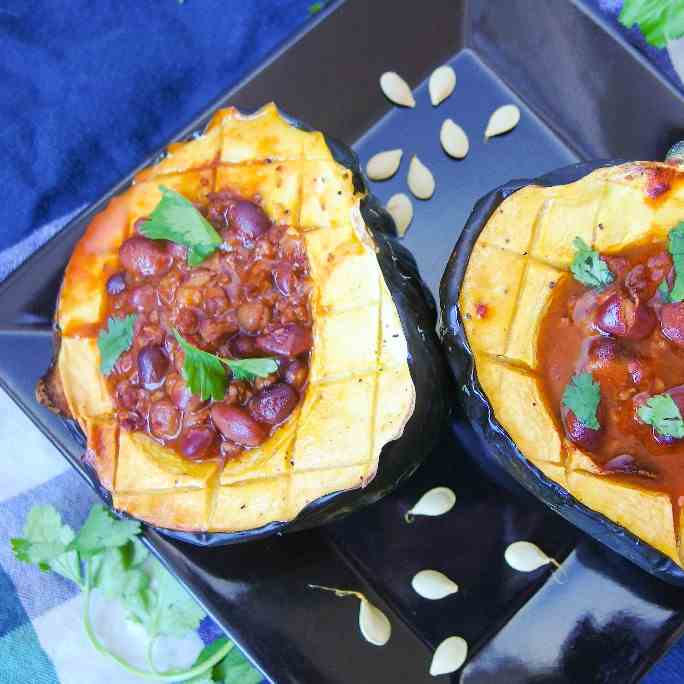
630,338
248,299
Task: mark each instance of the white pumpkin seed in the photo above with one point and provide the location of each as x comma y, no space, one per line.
454,139
373,623
442,83
383,165
502,120
449,656
421,182
437,501
433,585
400,209
396,89
525,556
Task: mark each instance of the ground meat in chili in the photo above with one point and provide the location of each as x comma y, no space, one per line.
248,299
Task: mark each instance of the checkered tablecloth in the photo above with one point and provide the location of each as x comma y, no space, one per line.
70,74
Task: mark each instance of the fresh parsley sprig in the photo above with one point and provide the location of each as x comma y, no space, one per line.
675,245
582,396
662,413
659,20
107,555
589,267
176,219
114,340
205,373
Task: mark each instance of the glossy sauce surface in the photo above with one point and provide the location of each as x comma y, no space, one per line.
633,345
248,299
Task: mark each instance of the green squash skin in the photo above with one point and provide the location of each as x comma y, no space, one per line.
398,459
498,451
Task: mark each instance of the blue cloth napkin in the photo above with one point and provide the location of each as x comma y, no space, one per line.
87,90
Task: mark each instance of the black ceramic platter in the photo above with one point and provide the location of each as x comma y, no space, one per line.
584,95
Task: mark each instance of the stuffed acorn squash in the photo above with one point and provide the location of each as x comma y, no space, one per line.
227,341
572,307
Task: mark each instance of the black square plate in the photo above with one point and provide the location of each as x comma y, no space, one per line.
583,94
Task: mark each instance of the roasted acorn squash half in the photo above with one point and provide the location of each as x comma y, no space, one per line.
510,266
372,403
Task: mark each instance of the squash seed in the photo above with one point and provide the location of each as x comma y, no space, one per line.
396,89
383,165
449,656
437,501
454,139
421,182
433,585
373,623
400,209
442,83
502,120
525,556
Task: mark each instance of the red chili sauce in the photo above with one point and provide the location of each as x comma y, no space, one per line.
248,299
632,343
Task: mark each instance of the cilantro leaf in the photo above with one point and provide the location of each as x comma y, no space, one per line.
675,245
582,396
114,341
206,377
176,219
659,20
45,542
101,531
661,412
315,8
588,267
236,669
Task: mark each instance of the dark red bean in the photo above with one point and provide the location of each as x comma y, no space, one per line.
636,281
253,316
290,340
116,283
672,322
164,419
273,404
620,316
627,464
248,219
295,373
229,450
601,352
237,425
153,364
144,298
186,321
145,257
215,331
283,279
198,442
126,395
131,421
581,435
243,346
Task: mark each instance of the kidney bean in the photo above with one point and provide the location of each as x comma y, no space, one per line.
230,450
197,442
153,364
126,395
290,340
253,316
177,251
149,334
295,373
243,346
215,301
578,433
636,281
214,331
180,393
145,257
237,425
164,419
124,363
620,316
116,283
131,421
272,405
672,322
283,279
248,219
626,463
186,321
144,298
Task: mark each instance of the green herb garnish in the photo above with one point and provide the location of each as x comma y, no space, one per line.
659,20
582,396
205,373
176,219
114,341
315,8
106,555
675,245
589,267
661,412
